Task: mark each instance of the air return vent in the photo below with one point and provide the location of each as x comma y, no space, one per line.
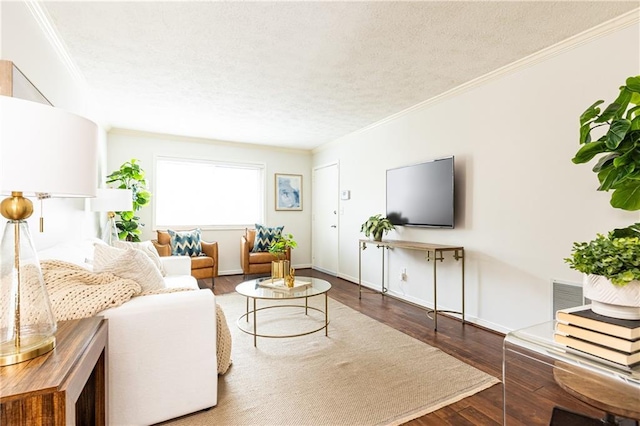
566,295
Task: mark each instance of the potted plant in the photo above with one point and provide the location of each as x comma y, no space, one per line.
131,176
612,262
281,268
376,226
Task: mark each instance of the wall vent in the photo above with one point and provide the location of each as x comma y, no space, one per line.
566,295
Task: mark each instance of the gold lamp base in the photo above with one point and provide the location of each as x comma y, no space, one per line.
29,352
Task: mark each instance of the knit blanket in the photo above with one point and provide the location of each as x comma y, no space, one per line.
76,292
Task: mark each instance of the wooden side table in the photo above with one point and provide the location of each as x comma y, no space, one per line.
67,386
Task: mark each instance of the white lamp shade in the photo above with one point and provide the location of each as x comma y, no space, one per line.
46,149
112,200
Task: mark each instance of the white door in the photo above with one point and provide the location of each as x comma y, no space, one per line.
325,194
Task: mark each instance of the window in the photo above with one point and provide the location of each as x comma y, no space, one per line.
207,194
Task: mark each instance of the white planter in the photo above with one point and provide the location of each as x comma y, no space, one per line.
612,300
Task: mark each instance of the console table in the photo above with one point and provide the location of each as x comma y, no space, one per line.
433,252
66,386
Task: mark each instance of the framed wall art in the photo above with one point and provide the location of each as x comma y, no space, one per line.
288,192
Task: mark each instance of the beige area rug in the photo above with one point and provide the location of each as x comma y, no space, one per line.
363,373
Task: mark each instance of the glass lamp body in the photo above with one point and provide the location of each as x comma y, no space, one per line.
27,323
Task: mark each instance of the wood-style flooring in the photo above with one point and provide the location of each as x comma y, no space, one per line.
532,391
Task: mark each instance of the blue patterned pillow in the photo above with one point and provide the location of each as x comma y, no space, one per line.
185,243
265,236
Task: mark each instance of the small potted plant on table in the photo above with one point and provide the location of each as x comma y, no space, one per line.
281,267
376,226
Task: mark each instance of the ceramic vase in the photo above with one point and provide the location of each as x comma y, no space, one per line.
612,300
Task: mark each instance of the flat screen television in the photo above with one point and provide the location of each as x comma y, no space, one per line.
422,194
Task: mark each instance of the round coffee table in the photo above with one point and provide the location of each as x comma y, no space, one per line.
253,290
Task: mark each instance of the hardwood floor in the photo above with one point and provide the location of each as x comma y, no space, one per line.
532,391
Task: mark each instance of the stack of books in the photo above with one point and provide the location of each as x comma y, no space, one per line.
615,340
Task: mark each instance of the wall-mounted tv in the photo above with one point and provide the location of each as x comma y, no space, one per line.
422,194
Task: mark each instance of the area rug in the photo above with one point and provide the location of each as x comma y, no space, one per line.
363,373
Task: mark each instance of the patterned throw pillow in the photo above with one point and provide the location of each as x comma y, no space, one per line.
265,237
185,243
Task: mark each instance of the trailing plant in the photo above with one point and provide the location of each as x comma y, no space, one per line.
279,247
377,226
618,169
131,176
616,258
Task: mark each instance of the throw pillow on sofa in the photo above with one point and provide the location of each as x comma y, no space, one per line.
266,236
128,263
185,243
147,248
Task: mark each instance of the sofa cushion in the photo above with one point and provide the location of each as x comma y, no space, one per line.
185,243
200,262
263,257
265,236
147,248
128,263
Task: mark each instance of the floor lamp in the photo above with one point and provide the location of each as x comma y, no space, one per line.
44,151
112,200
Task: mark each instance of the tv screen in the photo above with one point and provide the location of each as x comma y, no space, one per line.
422,194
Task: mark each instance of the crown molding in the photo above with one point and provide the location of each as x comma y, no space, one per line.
604,29
180,138
43,19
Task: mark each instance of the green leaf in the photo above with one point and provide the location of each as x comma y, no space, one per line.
617,132
608,113
605,161
627,197
623,101
633,83
607,177
585,133
590,113
588,151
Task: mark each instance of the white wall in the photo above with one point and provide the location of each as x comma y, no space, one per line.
122,146
23,42
520,201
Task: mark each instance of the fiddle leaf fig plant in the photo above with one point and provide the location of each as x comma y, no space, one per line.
131,176
376,225
618,169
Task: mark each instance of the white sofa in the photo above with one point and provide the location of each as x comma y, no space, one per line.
161,348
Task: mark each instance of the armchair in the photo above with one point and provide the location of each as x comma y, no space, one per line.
255,262
201,266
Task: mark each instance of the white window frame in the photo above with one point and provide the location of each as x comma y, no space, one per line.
261,167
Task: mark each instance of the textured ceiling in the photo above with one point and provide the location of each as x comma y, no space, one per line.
297,74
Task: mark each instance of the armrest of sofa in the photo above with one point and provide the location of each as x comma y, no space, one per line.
148,336
211,250
163,249
176,265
